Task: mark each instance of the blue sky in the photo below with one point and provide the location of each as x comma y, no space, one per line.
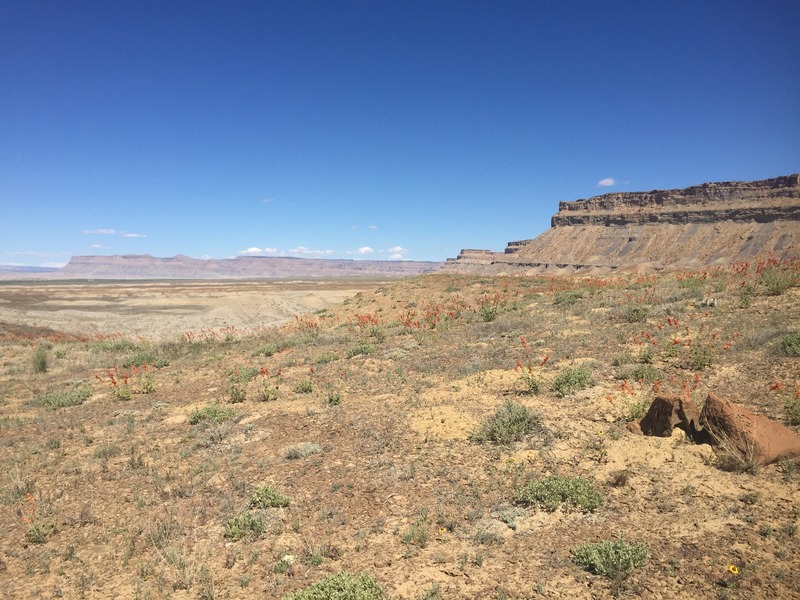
380,129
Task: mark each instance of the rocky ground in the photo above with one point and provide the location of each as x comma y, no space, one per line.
235,460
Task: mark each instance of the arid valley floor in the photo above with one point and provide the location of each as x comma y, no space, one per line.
248,439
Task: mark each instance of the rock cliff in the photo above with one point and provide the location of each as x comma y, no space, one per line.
713,223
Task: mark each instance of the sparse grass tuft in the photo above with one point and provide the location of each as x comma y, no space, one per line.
341,586
790,344
302,450
509,424
71,393
568,493
359,349
268,496
148,357
39,359
212,413
571,380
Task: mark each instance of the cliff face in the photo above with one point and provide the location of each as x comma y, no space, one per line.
243,267
707,224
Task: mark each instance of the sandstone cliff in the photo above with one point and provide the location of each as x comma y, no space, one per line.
713,223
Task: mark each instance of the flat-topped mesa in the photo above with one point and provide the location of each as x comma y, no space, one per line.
761,201
708,224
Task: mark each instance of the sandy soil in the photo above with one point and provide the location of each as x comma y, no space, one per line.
159,310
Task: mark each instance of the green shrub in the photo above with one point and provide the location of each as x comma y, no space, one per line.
212,413
792,408
636,410
341,586
701,357
571,380
777,280
245,525
567,298
268,497
72,393
237,393
242,375
304,387
615,560
645,374
790,343
267,393
149,358
360,348
40,359
509,424
568,493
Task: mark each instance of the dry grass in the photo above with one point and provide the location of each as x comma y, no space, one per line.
163,494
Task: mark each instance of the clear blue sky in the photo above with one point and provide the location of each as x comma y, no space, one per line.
372,129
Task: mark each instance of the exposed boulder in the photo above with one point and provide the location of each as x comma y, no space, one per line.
666,413
756,439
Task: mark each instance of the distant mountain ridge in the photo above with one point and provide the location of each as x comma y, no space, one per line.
144,266
708,224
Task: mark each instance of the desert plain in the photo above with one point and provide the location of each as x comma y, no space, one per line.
443,436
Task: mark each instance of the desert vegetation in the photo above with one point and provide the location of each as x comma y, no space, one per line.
444,436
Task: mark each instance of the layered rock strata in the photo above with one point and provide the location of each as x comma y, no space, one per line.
713,223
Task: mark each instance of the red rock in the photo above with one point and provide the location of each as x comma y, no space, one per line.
666,413
736,429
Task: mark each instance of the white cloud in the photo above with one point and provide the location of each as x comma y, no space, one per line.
256,251
96,246
398,250
133,235
305,251
53,265
373,227
396,256
365,250
101,231
607,182
268,200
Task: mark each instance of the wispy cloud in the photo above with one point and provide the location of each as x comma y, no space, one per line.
365,250
96,246
109,231
607,182
268,200
373,227
101,231
305,251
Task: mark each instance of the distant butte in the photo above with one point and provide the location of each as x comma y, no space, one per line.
144,266
703,225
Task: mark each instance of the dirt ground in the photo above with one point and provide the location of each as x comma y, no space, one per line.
365,411
163,309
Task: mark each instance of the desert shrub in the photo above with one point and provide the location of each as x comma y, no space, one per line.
701,357
236,393
359,349
646,355
636,314
568,493
509,424
268,496
71,393
615,560
267,393
567,298
38,532
334,398
341,586
571,380
242,375
623,358
302,450
790,344
777,280
245,525
792,408
636,410
212,413
39,359
147,357
304,387
644,374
